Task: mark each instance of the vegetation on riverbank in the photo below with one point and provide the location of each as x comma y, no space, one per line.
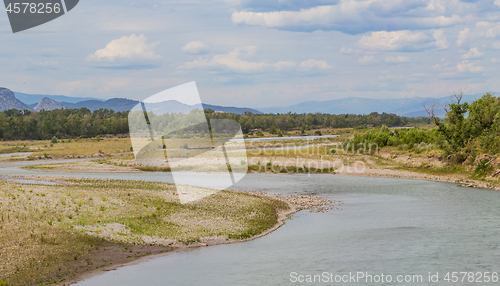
468,137
75,123
51,234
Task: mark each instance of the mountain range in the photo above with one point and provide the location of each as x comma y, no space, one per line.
30,99
37,102
409,107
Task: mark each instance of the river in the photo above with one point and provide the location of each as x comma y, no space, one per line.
390,226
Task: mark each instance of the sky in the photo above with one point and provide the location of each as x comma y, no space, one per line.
259,53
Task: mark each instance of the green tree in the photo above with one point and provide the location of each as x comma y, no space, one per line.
303,128
273,130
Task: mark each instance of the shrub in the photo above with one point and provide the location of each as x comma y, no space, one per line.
273,130
482,168
53,140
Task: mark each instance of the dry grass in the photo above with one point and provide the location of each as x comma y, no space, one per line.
68,147
48,233
87,166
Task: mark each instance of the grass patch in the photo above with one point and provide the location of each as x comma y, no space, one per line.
287,169
153,169
49,231
431,170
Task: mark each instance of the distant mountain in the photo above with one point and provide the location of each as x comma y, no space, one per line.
9,101
236,110
30,99
174,106
48,104
170,106
116,104
411,107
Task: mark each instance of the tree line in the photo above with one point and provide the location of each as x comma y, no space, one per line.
62,123
296,121
72,123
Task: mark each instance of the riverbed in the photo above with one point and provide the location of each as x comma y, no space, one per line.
390,226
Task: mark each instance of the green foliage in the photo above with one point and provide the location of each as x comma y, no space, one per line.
469,129
407,138
61,123
472,128
260,134
273,130
306,121
72,123
482,168
53,140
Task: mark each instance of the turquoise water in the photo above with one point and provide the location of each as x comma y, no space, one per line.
390,226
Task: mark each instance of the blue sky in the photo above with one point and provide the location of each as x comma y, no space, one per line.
258,53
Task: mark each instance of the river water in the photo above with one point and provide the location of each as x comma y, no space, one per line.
390,226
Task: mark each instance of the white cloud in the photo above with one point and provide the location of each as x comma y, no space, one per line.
398,59
354,17
402,41
467,66
441,40
231,61
346,51
195,48
487,30
367,60
473,53
496,45
315,65
464,37
127,52
494,60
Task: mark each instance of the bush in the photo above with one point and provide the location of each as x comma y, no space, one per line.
273,130
53,140
260,134
483,167
318,132
401,138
